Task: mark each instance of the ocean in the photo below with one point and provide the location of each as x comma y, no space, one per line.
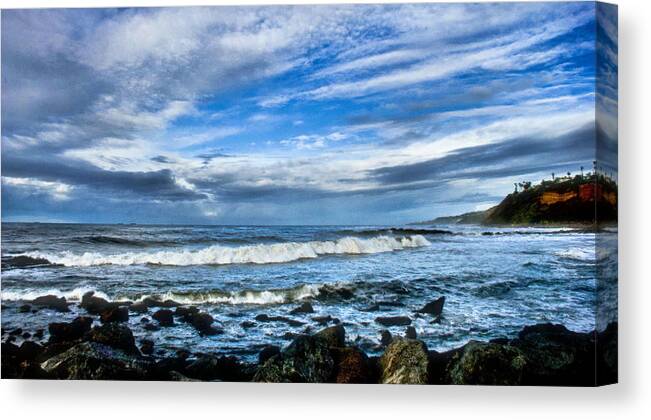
495,280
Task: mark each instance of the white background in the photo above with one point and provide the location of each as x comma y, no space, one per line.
629,399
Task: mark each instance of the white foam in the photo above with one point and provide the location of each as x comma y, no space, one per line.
254,254
31,294
579,254
248,297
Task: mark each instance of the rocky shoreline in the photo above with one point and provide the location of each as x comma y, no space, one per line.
542,354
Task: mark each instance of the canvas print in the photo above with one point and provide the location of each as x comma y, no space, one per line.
386,193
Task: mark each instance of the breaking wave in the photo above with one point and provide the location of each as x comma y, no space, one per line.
31,294
253,254
246,297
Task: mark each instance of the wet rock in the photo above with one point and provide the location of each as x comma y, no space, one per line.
385,337
304,308
96,305
145,320
24,308
119,314
223,368
165,317
179,377
26,335
436,320
52,302
391,321
139,308
155,303
69,331
351,366
17,331
410,332
267,353
38,334
247,324
186,311
151,327
607,362
288,321
203,322
147,347
487,364
373,308
323,320
392,303
96,361
333,336
556,356
330,292
115,335
434,308
404,362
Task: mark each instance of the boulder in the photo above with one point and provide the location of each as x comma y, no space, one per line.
139,308
390,321
223,368
24,308
607,367
115,335
404,361
304,308
373,308
165,317
267,353
96,361
351,366
333,336
385,337
69,331
52,302
410,332
288,321
247,324
156,303
487,364
203,322
185,311
118,314
556,356
96,305
147,347
433,308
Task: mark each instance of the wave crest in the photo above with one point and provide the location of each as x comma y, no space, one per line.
252,254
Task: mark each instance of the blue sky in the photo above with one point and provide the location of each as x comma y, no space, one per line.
379,114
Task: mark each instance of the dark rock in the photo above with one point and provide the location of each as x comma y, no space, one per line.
390,321
29,350
96,305
392,303
223,368
92,360
500,340
288,321
151,327
330,292
52,302
607,355
267,353
410,332
17,331
145,320
436,320
165,317
304,308
147,346
69,331
556,356
351,366
185,311
323,320
433,308
405,362
247,324
26,335
24,308
155,303
373,308
39,333
333,336
139,308
115,335
119,314
385,337
173,375
487,364
306,359
203,323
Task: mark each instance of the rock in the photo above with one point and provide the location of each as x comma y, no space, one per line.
410,332
39,333
202,322
390,321
556,356
115,335
385,337
145,320
26,335
52,302
165,317
306,359
29,350
155,303
96,305
607,352
267,353
487,364
288,321
331,292
333,336
304,308
373,308
436,320
433,308
323,320
92,360
147,347
351,366
404,361
24,308
179,377
17,331
185,311
151,327
69,331
139,308
119,314
247,324
223,368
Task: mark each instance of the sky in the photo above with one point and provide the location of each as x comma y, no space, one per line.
365,114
